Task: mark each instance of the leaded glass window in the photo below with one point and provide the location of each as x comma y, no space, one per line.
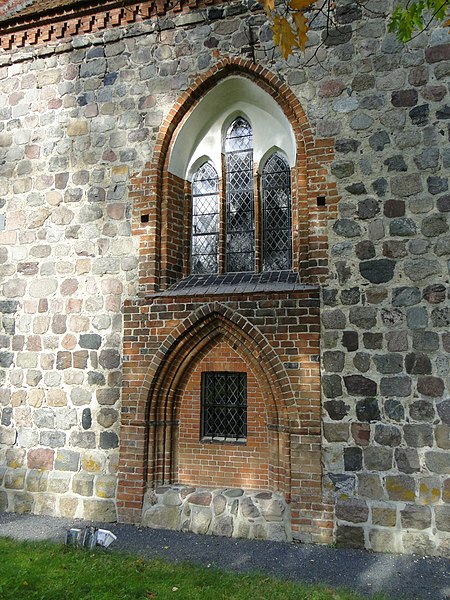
224,224
224,405
240,211
205,220
276,192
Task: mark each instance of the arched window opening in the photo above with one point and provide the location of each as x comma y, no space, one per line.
240,219
205,220
277,220
237,227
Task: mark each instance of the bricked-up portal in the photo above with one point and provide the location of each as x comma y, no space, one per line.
261,322
208,462
276,345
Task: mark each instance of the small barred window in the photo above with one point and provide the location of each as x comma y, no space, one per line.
224,406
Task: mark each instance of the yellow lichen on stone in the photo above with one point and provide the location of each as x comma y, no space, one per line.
76,128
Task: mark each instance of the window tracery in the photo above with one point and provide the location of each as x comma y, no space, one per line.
243,214
277,226
240,205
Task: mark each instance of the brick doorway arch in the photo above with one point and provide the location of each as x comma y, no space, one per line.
149,428
159,367
198,343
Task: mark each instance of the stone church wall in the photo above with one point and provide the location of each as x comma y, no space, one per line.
79,119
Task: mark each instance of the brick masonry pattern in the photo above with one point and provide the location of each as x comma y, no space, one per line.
85,126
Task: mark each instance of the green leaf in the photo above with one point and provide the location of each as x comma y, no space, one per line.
414,16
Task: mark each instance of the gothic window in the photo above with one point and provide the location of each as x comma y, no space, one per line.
224,231
276,193
240,253
224,406
205,220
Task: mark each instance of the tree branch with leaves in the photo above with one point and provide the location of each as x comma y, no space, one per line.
412,18
291,19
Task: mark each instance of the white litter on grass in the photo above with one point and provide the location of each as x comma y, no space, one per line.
89,537
105,538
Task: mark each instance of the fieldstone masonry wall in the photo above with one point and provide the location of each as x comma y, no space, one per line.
227,512
385,343
78,118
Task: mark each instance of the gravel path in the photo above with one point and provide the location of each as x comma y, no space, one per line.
399,576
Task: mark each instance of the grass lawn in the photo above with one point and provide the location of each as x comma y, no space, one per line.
45,571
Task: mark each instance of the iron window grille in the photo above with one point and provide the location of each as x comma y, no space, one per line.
224,406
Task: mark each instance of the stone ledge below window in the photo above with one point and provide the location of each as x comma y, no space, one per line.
234,283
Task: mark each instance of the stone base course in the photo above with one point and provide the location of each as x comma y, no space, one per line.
59,493
232,512
392,527
85,124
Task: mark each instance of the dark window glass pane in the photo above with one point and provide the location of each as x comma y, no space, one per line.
240,218
240,262
205,220
224,406
277,224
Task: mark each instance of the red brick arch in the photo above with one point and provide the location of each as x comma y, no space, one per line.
214,318
155,191
158,403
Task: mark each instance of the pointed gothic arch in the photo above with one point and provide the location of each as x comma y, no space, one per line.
211,319
167,334
167,371
159,195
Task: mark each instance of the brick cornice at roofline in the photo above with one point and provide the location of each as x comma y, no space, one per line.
65,22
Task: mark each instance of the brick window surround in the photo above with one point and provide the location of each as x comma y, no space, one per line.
170,341
161,200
